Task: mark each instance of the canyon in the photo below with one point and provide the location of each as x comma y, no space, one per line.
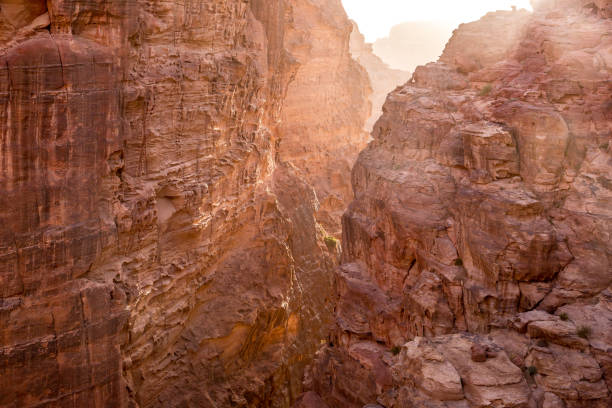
192,215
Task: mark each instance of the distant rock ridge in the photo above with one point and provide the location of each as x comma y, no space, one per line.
413,43
383,79
477,254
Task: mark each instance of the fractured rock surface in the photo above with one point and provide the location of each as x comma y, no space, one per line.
477,255
156,249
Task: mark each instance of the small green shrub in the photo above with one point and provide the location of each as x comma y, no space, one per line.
604,146
584,332
396,350
331,242
458,262
486,90
531,370
542,343
564,317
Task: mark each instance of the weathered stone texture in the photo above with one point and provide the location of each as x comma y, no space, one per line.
155,250
478,248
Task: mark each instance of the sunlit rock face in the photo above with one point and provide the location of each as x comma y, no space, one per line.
155,249
383,79
322,123
477,255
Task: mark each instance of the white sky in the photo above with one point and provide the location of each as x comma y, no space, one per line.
376,17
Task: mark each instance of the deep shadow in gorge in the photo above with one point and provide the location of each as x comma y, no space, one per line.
173,176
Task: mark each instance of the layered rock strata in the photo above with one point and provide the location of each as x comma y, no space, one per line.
155,249
477,256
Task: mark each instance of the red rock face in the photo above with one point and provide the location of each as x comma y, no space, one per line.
59,124
322,122
477,258
154,249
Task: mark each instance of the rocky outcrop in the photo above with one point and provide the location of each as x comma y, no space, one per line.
383,79
157,247
477,258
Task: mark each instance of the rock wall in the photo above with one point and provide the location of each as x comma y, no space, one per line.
157,248
322,119
383,79
477,255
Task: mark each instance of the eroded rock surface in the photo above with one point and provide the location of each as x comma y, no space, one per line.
156,250
477,256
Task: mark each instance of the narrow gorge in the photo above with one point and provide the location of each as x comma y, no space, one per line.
194,214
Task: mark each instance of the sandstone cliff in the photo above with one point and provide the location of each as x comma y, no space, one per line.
383,79
477,256
322,123
156,250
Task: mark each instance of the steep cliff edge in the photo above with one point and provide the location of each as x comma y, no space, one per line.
477,256
155,249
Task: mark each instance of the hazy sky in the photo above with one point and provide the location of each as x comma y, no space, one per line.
376,17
